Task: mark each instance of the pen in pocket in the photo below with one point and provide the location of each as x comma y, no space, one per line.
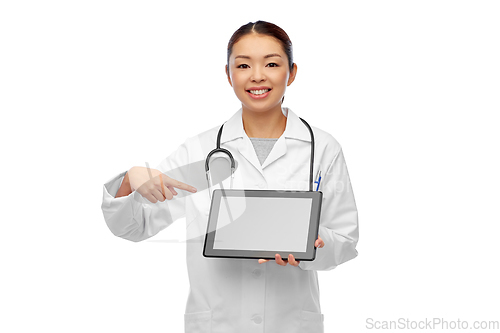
318,179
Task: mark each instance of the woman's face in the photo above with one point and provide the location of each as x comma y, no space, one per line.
259,73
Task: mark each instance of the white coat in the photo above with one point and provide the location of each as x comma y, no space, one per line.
241,295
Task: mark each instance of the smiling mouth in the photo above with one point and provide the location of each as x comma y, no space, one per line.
258,92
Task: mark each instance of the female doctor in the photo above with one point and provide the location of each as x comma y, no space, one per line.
271,147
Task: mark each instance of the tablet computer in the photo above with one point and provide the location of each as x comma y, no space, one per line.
257,224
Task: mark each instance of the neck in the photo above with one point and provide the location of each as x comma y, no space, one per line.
268,124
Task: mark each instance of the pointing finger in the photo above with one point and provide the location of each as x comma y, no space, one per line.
175,183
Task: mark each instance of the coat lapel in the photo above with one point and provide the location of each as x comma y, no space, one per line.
279,149
247,149
294,129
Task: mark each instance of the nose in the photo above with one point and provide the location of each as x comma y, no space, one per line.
257,75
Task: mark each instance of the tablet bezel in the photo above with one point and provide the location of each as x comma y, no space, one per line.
218,194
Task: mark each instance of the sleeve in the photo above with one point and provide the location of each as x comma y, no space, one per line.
339,219
134,217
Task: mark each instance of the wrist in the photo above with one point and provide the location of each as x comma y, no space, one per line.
125,188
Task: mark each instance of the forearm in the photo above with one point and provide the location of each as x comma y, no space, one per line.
132,216
338,249
339,219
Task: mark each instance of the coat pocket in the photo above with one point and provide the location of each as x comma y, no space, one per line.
311,322
198,322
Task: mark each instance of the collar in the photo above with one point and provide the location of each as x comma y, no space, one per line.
294,129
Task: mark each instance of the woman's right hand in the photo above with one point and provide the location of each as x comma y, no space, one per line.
154,185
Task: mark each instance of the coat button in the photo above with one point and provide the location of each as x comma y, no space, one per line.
257,319
257,273
261,185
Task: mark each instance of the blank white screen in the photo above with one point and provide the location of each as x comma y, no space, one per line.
267,224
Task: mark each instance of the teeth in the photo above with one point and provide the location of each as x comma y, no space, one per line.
259,92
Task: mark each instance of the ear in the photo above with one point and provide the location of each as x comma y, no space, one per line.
293,73
228,77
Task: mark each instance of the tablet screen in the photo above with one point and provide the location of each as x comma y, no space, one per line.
263,224
253,224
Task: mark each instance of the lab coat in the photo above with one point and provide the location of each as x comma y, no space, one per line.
241,295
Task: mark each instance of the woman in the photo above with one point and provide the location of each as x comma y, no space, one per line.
272,147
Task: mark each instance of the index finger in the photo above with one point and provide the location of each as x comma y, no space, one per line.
177,184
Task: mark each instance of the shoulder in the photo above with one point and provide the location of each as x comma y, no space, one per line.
324,139
199,143
205,135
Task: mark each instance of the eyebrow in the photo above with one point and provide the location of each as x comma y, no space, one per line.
266,56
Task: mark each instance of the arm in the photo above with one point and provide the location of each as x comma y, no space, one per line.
125,188
131,216
339,219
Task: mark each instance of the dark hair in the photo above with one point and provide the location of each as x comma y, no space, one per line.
263,28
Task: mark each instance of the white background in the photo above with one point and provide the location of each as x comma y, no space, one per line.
88,89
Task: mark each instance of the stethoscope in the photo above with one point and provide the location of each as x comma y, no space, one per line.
227,152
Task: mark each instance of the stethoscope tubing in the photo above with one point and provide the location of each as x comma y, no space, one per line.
227,152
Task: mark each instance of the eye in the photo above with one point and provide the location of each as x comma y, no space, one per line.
273,63
242,65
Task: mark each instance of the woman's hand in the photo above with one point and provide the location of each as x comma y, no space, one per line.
291,260
154,185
